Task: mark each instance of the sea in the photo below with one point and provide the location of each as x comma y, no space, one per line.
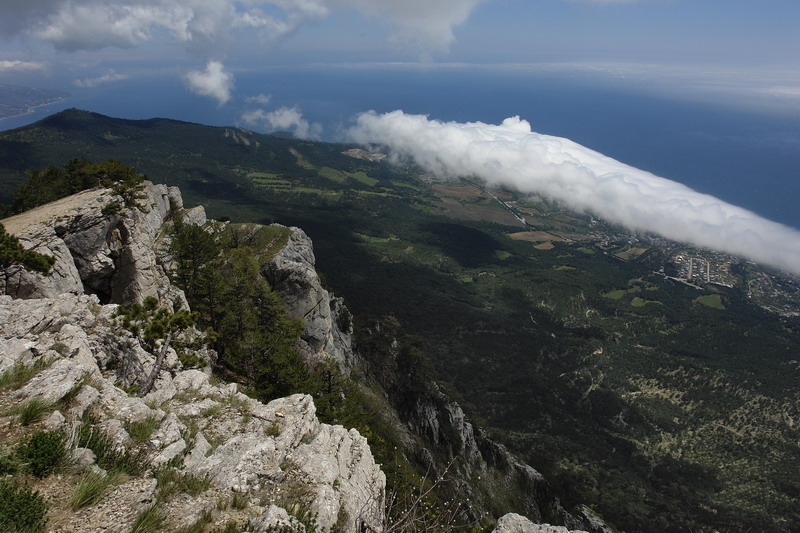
744,156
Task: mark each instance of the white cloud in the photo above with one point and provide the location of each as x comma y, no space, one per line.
284,119
213,82
262,99
562,170
16,65
95,24
108,77
424,23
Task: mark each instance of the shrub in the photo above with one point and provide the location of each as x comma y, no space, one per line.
8,463
21,508
43,452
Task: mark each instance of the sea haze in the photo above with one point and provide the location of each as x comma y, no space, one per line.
746,158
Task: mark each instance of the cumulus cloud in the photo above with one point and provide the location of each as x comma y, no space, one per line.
511,154
108,77
285,119
214,82
16,65
426,24
95,24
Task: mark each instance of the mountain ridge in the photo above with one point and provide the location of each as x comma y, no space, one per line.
628,390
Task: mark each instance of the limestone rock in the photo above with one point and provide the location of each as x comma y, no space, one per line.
328,332
258,450
514,523
115,256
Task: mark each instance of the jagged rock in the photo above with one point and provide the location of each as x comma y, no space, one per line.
83,458
514,523
258,449
328,331
276,519
55,421
111,255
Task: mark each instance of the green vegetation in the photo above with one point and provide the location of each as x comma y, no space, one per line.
19,374
21,508
130,460
141,430
33,411
158,329
42,452
711,300
661,416
52,183
151,519
12,254
91,487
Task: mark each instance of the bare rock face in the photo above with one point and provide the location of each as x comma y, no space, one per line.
277,458
114,256
514,523
328,333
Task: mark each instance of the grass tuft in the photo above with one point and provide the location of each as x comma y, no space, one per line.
131,461
150,520
33,411
91,488
141,430
18,375
173,481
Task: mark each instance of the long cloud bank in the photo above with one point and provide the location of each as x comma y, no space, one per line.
511,154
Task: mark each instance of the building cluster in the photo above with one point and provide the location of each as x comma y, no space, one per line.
713,268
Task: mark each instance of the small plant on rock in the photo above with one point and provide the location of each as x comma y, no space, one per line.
43,452
33,411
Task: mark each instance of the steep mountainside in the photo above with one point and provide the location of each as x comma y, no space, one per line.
191,452
654,382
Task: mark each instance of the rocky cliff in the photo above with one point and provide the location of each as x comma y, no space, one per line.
251,465
255,464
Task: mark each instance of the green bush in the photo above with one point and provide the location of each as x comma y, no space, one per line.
21,508
8,463
43,452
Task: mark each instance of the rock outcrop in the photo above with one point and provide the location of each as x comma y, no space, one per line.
277,461
111,255
270,456
328,331
514,523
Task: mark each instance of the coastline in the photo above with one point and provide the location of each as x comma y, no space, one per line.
32,109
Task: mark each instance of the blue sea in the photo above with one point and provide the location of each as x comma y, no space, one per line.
744,157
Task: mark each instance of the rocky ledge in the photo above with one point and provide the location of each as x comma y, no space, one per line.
271,458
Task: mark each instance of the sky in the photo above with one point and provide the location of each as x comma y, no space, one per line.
742,48
742,53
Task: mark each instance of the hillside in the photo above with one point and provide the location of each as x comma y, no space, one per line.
661,399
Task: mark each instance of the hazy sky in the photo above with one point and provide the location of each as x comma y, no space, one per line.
747,47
